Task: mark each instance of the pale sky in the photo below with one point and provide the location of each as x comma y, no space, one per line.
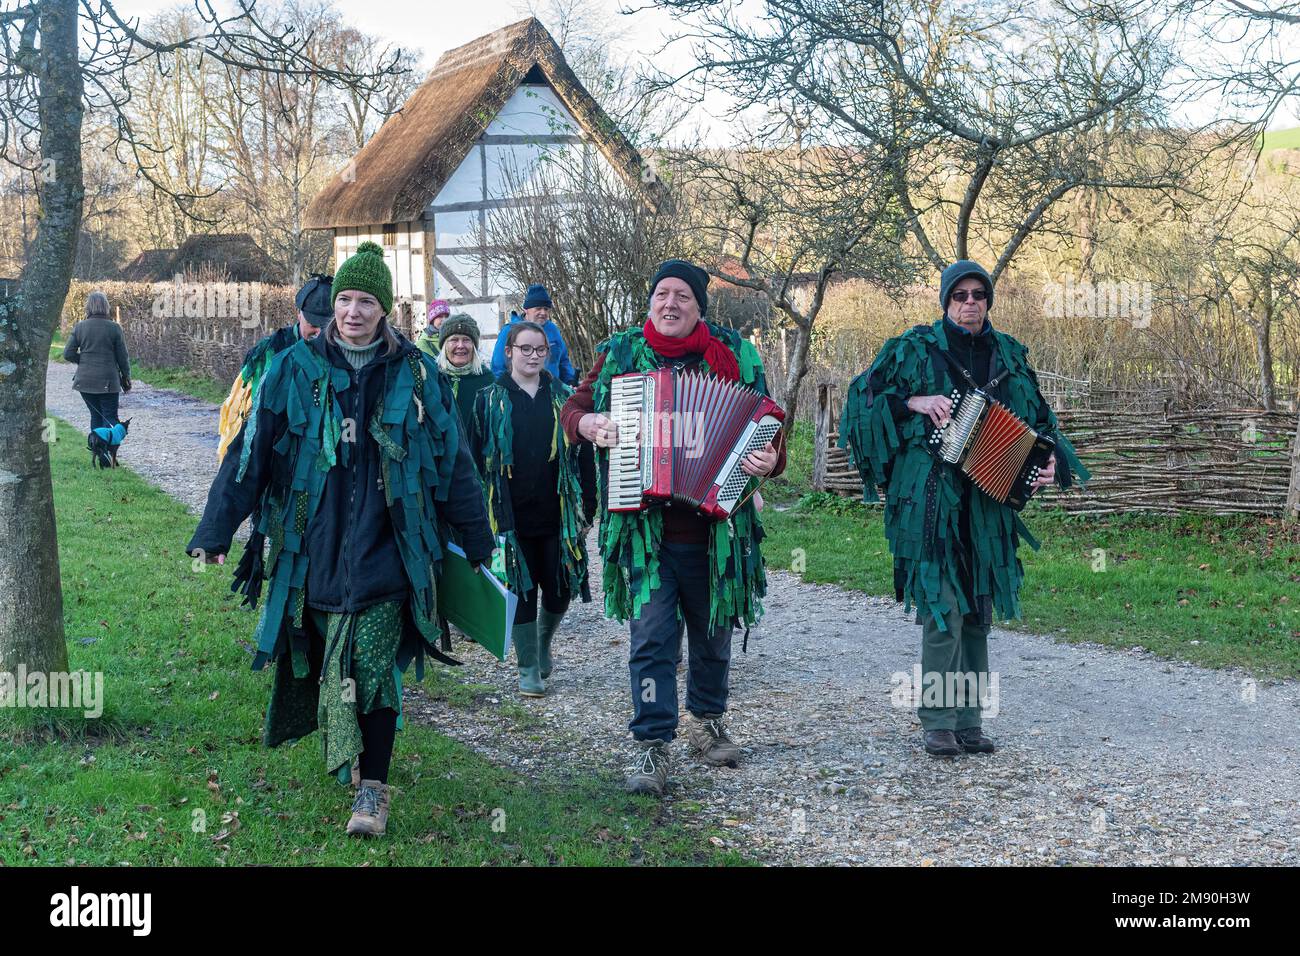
438,26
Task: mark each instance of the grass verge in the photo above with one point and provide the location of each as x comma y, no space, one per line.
174,772
1215,591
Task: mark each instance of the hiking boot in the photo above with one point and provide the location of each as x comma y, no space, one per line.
650,772
524,637
707,736
369,810
941,743
547,623
973,741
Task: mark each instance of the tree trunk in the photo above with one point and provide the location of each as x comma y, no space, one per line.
1292,510
31,600
1264,350
795,372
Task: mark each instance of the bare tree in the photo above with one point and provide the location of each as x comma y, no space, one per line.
984,117
591,238
46,86
594,42
786,222
1258,71
1254,263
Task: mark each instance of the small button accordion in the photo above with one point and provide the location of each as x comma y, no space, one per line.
1000,453
681,438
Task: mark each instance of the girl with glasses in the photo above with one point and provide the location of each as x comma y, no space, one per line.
541,491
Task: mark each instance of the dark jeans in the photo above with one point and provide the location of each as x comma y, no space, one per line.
656,646
103,409
542,555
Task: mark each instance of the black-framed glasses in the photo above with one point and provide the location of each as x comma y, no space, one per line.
975,295
527,350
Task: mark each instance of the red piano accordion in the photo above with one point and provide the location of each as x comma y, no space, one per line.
681,437
1000,453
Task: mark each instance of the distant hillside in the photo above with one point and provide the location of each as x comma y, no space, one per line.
1282,139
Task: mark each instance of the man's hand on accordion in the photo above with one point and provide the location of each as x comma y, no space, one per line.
937,407
1046,474
760,463
598,430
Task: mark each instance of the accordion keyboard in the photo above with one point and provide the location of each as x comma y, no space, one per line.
734,481
629,463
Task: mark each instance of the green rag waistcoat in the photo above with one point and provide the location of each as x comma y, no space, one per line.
415,428
492,410
630,541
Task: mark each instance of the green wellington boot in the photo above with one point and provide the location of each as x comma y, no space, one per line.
524,637
547,623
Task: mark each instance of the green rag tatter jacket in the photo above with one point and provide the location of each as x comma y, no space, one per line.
923,496
630,541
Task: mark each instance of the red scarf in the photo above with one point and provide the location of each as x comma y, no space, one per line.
721,362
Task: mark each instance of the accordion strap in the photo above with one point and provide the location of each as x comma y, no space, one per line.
965,373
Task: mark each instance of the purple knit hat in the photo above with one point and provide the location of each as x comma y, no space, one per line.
438,307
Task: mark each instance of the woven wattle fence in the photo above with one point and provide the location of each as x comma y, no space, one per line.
1229,461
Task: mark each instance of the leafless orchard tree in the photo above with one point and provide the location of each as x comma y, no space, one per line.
985,117
47,84
785,222
591,238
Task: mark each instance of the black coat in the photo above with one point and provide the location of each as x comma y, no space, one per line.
355,562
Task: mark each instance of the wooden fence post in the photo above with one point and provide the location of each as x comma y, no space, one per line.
1292,511
821,435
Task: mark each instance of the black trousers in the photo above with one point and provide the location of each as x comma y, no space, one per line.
103,409
542,555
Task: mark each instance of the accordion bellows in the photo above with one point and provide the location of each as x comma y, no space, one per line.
682,437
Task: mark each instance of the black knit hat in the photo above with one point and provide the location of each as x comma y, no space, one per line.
458,323
688,272
315,301
963,269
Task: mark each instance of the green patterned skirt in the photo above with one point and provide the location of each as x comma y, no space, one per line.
347,665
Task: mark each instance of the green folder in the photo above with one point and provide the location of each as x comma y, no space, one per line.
476,602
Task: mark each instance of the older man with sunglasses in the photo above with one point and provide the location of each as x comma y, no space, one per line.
954,547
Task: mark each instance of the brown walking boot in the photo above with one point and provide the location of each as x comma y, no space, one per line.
650,772
707,736
369,810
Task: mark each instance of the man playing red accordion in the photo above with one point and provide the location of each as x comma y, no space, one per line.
954,546
667,564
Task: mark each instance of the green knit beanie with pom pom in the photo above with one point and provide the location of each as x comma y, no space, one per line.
366,272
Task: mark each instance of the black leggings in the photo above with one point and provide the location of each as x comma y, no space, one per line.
542,555
378,731
103,409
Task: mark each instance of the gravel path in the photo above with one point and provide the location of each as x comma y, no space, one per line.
1105,756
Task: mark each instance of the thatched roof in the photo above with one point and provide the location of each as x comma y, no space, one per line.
233,255
415,152
152,265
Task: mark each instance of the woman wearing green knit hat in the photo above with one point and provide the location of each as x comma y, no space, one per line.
454,349
353,460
